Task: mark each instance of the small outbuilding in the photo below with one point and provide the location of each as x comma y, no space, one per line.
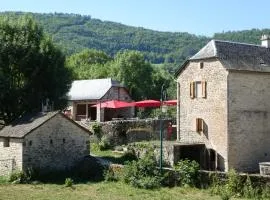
85,94
45,141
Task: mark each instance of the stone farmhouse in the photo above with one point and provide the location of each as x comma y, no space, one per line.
84,94
224,111
44,141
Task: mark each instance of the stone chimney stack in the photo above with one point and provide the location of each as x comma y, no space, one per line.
47,107
265,41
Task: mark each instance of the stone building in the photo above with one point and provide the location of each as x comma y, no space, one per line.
224,108
45,141
84,94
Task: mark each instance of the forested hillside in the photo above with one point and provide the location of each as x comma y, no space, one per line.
252,36
76,32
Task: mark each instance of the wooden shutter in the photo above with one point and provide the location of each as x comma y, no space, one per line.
204,89
199,125
192,90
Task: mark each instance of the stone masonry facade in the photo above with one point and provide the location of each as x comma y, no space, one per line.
10,157
248,119
235,113
58,144
212,109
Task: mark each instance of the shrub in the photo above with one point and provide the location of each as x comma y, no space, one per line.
94,147
266,192
96,127
216,185
105,143
142,173
129,156
113,173
233,184
169,179
68,182
188,172
19,177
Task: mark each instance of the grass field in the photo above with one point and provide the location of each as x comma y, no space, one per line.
102,190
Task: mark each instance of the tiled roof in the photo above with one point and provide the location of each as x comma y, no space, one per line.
91,89
235,55
20,127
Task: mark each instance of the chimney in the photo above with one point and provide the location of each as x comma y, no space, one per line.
265,41
47,107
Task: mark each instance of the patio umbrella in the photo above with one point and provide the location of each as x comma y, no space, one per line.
114,104
147,103
171,102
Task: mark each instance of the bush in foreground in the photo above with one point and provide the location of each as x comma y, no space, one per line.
188,172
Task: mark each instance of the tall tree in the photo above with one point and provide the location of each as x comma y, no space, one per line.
31,69
130,68
89,64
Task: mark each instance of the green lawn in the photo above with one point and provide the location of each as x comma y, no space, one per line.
102,190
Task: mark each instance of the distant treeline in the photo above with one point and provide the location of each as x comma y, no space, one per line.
74,32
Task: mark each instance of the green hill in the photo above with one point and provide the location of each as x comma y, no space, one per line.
76,32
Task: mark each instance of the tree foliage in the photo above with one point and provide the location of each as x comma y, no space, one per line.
76,32
142,79
130,68
31,68
89,64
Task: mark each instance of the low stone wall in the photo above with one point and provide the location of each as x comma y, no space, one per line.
169,151
206,178
127,131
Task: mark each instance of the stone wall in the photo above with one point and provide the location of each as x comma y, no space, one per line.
249,117
58,144
126,131
10,157
168,152
212,109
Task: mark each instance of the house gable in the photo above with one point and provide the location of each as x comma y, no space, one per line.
57,144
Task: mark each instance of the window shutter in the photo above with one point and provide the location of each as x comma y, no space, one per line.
201,122
192,90
197,124
204,89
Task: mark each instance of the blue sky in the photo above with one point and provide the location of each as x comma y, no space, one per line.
200,17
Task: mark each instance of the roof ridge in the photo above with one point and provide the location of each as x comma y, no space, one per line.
234,42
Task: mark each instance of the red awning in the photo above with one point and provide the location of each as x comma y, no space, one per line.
171,102
115,104
147,103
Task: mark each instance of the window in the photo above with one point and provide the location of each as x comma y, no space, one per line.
199,125
64,140
30,143
201,65
6,142
51,141
198,89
